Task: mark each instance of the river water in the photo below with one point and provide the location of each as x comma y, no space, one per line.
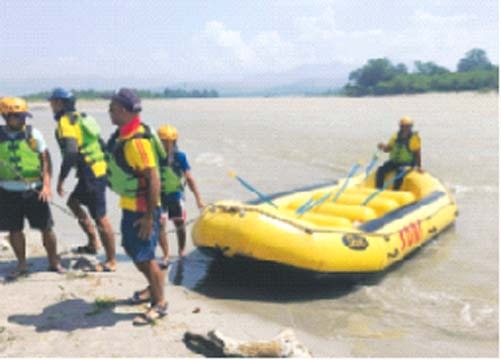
443,301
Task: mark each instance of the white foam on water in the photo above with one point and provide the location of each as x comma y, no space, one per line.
466,315
481,189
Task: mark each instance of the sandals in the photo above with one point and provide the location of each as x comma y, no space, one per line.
85,249
153,314
104,267
139,297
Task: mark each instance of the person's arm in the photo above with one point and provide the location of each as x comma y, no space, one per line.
418,160
384,147
46,193
193,187
387,147
41,147
415,146
145,223
70,157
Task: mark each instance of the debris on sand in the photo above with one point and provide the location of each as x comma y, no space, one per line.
285,344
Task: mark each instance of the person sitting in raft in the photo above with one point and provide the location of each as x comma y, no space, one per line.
173,169
25,189
405,150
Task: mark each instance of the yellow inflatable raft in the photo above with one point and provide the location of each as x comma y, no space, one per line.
348,235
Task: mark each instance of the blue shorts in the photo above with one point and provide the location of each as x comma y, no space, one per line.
138,249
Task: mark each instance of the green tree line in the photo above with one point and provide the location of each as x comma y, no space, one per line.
167,93
381,77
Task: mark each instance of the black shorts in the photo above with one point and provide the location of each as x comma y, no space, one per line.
15,206
174,208
92,193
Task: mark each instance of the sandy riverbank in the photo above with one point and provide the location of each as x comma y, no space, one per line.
48,315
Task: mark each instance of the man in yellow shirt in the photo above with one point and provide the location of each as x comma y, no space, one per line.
133,152
405,150
78,136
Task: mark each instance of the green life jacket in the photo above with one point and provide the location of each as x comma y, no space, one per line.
19,157
171,175
401,153
91,150
122,178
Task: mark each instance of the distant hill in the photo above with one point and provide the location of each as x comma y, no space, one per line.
305,79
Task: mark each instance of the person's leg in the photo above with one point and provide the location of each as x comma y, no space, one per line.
18,243
108,241
164,244
155,277
95,199
40,217
50,244
181,235
85,223
382,171
12,220
398,183
177,214
142,253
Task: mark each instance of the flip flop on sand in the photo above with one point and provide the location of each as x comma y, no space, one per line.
149,317
140,297
104,267
85,249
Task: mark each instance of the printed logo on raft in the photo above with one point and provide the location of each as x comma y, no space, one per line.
411,234
355,241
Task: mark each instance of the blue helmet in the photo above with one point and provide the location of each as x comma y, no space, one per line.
60,93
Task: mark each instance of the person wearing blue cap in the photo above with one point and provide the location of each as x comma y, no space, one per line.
78,136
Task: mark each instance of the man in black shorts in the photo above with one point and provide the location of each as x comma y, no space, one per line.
78,136
24,184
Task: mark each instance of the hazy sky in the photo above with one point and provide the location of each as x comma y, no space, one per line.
216,39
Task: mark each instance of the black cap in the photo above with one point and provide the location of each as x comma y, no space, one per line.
128,99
